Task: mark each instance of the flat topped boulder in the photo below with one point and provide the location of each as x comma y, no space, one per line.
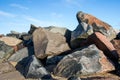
47,43
11,41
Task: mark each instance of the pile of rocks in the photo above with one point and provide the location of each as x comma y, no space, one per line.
46,52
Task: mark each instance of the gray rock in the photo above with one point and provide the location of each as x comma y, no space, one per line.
64,31
32,29
47,43
21,54
34,69
74,78
5,50
118,35
84,61
81,33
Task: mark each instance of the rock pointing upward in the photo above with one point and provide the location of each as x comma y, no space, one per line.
97,24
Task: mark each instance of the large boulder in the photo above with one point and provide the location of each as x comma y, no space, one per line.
97,25
47,43
64,31
34,69
5,50
87,25
6,67
103,43
88,60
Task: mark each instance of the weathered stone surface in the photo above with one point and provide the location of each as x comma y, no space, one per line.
103,44
15,75
64,31
32,29
97,24
21,54
47,43
82,32
11,41
84,61
6,67
5,50
34,69
116,44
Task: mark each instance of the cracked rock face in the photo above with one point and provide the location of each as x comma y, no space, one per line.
84,61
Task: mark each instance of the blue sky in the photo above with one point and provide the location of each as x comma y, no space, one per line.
19,14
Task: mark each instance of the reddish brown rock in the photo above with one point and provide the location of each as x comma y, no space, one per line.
47,43
116,44
6,67
97,24
103,44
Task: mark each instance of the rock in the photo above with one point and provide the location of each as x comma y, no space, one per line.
47,43
1,35
116,44
14,34
103,44
98,25
5,50
80,34
15,75
32,29
21,54
13,42
84,61
34,69
64,31
118,35
6,67
74,78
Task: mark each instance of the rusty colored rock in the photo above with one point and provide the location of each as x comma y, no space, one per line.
103,43
97,24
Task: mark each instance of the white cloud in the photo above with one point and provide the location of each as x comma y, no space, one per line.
19,6
29,18
38,22
7,14
57,15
